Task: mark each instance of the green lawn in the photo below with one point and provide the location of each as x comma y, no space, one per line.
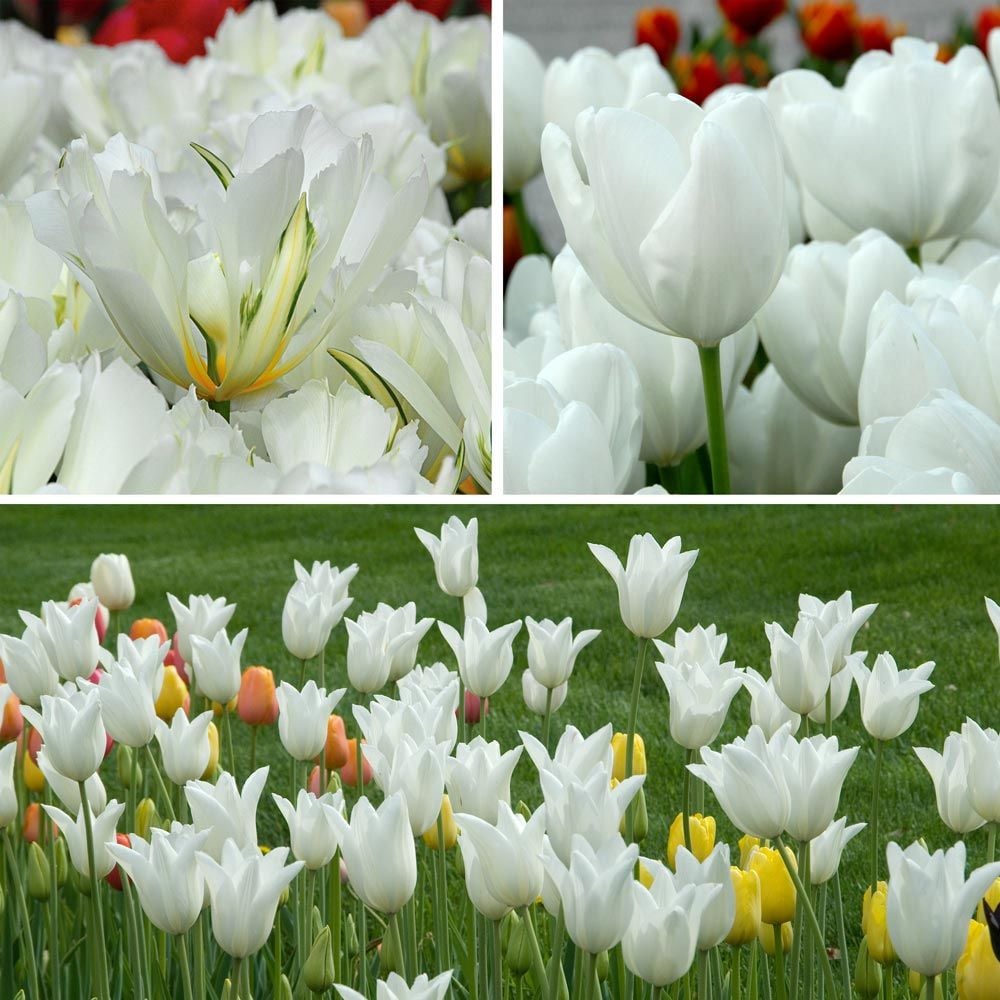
928,567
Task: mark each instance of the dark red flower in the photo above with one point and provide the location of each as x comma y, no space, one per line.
660,28
829,28
752,16
439,8
698,75
876,33
987,19
70,11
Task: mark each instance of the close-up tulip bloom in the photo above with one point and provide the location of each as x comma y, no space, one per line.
700,696
478,778
302,718
203,616
228,813
951,772
111,576
72,731
455,553
553,649
314,837
720,911
826,850
128,706
485,656
184,745
215,664
890,697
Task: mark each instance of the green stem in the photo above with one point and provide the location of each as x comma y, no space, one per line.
547,718
715,411
752,979
687,800
537,964
526,232
253,749
229,740
555,959
55,963
845,962
182,957
396,937
797,935
991,844
828,725
497,985
779,962
362,948
914,253
704,985
633,720
27,939
444,945
736,971
95,899
809,911
159,782
876,783
220,406
930,987
133,921
333,911
199,956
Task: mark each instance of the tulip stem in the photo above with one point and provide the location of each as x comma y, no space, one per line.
95,899
253,749
396,938
809,912
537,964
715,411
134,921
54,949
991,844
916,256
182,948
27,940
463,733
930,987
199,956
845,965
875,807
360,765
704,980
160,784
333,912
555,960
779,962
735,973
441,911
686,820
547,718
229,740
633,719
497,974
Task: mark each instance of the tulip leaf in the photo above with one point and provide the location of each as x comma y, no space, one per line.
370,383
219,166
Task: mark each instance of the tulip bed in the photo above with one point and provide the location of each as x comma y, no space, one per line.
304,306
791,288
742,575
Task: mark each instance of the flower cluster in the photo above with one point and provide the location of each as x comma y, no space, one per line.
265,270
809,267
561,889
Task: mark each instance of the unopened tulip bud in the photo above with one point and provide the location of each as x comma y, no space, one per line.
702,836
746,923
777,890
227,991
3,903
114,877
12,721
914,982
38,873
766,937
475,708
34,744
146,818
257,701
450,829
349,772
111,577
286,895
333,783
517,949
350,936
175,660
124,760
313,784
337,752
640,818
874,925
34,780
867,973
213,755
143,628
747,845
524,809
618,744
319,973
284,989
173,695
602,966
61,853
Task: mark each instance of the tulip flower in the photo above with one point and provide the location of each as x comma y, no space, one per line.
777,890
769,935
702,836
307,621
104,824
508,852
874,925
435,700
485,657
748,779
814,771
11,719
552,649
68,636
450,827
170,885
720,911
951,773
379,852
981,752
34,779
225,812
335,749
146,656
349,772
394,987
595,891
801,667
637,765
575,755
838,695
747,922
145,628
215,664
302,718
128,708
890,697
524,74
67,790
826,849
245,888
977,974
417,772
929,900
840,616
455,553
203,616
314,837
662,936
752,16
184,746
257,702
425,719
73,733
403,633
659,28
476,886
173,696
478,778
651,584
111,576
541,700
700,695
8,792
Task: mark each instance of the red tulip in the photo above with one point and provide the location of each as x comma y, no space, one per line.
475,707
987,19
829,27
752,16
439,8
660,28
698,75
876,33
114,877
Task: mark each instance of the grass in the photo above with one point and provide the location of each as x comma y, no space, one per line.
928,567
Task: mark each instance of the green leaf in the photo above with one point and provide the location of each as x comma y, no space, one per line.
219,166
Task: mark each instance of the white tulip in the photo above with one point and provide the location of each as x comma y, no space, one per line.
111,576
700,696
128,704
303,717
538,698
30,673
314,837
69,635
225,812
980,750
720,911
826,850
575,755
394,987
455,553
72,732
890,697
485,657
103,826
68,791
814,771
801,668
215,665
184,745
416,771
202,616
524,74
552,649
838,617
767,710
478,778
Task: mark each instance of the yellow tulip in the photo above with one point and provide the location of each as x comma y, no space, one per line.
213,753
747,921
34,780
977,974
747,844
173,694
702,836
450,828
146,818
777,890
992,896
875,927
766,937
645,876
618,744
915,983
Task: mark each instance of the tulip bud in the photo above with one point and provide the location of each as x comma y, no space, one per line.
475,708
312,784
389,960
746,923
333,783
350,936
12,722
448,823
318,972
286,893
517,952
284,989
777,890
227,991
34,780
143,628
33,829
524,809
603,966
874,925
81,882
640,818
702,836
62,861
34,744
124,758
336,750
257,701
938,989
867,974
746,845
38,873
619,743
914,982
146,818
349,772
766,937
213,753
173,695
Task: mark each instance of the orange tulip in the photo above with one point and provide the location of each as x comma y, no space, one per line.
257,703
13,722
337,753
828,28
349,772
351,15
33,829
876,33
173,695
143,628
659,28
